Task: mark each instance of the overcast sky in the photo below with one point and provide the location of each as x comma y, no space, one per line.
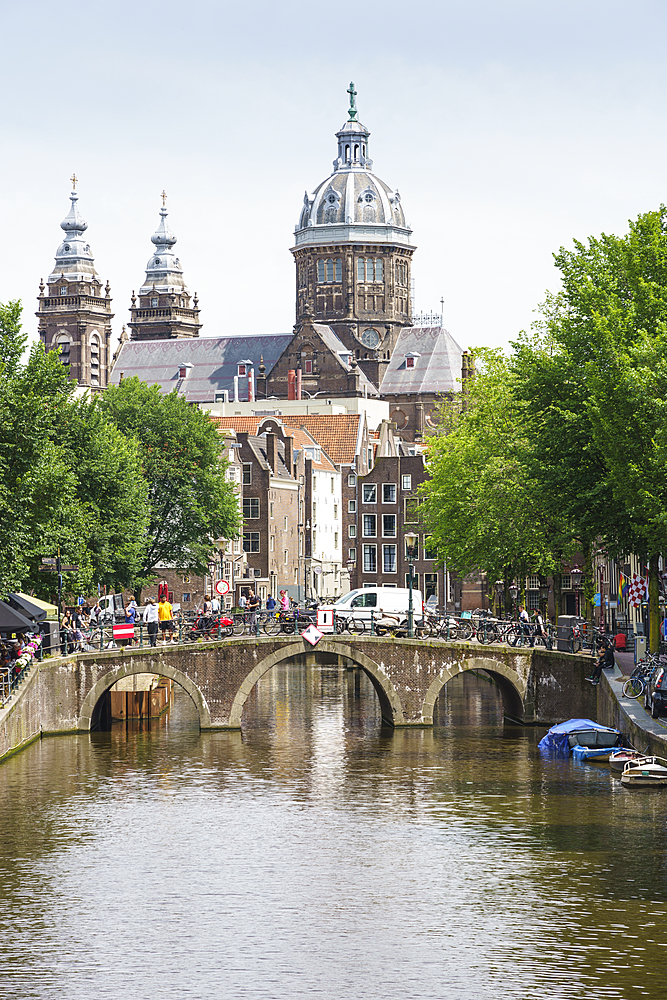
509,129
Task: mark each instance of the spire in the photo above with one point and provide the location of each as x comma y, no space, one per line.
163,271
352,113
353,140
74,259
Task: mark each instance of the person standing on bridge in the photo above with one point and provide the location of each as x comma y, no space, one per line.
151,620
253,606
165,613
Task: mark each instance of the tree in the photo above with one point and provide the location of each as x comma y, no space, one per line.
191,501
482,508
69,480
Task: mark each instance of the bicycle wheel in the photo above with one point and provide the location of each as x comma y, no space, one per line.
486,635
633,687
271,626
357,626
288,627
514,637
423,630
463,631
341,625
238,628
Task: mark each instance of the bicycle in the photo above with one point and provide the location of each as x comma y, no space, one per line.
635,686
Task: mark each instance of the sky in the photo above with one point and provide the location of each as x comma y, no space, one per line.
509,128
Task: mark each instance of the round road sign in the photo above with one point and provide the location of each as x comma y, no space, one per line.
221,587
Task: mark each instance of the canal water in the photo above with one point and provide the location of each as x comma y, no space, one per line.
319,855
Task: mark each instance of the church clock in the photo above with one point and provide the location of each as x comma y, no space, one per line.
370,338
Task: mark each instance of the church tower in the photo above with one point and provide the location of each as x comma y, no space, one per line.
74,312
165,310
353,254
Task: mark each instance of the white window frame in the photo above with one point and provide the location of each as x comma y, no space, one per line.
369,489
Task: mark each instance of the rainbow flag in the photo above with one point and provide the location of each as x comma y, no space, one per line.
623,587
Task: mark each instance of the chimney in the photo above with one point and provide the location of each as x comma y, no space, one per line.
289,454
251,396
298,383
271,451
291,384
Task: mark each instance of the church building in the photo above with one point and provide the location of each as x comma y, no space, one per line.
353,254
74,311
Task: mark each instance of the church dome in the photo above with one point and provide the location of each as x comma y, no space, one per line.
74,258
352,204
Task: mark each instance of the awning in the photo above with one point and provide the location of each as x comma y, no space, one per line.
38,610
12,621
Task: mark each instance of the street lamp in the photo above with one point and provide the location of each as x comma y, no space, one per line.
514,593
410,550
500,593
577,578
544,594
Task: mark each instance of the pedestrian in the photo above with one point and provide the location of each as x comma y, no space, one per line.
77,629
270,603
207,606
253,607
131,617
151,619
215,604
539,627
165,614
524,618
284,601
242,601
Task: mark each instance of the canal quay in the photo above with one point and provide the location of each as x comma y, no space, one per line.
318,851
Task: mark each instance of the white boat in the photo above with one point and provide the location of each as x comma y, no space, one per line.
624,755
647,772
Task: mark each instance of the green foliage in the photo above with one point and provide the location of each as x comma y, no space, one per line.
484,511
191,501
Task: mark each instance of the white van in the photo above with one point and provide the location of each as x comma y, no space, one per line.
360,603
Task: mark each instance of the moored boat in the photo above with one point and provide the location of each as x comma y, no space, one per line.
622,756
585,733
647,772
592,754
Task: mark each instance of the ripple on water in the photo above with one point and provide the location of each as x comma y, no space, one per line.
318,855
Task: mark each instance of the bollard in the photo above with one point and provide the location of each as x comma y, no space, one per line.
372,622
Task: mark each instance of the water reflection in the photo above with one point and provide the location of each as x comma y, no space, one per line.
320,854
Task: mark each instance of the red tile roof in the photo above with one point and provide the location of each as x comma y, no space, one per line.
336,433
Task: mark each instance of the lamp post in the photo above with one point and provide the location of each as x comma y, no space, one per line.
577,578
410,546
544,596
500,593
514,593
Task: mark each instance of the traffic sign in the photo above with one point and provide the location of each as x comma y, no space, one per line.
222,587
69,569
49,560
47,569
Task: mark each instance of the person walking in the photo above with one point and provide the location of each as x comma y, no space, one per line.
270,603
284,601
524,618
252,607
151,620
131,617
165,614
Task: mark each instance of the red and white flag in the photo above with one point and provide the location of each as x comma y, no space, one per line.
123,631
638,590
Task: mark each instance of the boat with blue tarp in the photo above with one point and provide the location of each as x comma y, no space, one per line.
563,738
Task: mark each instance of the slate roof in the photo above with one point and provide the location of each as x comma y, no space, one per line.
437,369
336,433
213,360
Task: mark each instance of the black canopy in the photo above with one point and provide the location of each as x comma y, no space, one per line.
14,621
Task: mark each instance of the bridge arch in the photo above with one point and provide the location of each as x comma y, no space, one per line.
125,670
390,703
512,687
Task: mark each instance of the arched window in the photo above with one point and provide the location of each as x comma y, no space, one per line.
320,271
339,270
378,270
347,154
64,345
369,270
330,271
356,152
94,360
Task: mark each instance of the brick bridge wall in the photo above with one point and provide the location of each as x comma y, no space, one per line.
60,695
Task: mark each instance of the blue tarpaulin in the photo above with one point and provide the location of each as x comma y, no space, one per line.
557,739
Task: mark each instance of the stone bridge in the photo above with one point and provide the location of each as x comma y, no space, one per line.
64,694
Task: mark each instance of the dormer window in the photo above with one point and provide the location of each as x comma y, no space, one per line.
182,371
154,303
63,290
410,360
242,370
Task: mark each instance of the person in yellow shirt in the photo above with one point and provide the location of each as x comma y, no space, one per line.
165,614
